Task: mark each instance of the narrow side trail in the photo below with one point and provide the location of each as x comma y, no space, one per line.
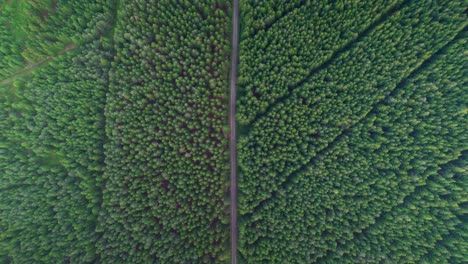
232,126
30,67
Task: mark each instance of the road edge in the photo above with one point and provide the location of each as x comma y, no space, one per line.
232,126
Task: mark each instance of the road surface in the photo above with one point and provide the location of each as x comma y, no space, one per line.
232,125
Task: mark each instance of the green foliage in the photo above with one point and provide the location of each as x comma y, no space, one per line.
51,162
391,188
151,170
33,30
337,97
428,227
259,15
277,59
166,156
114,137
52,129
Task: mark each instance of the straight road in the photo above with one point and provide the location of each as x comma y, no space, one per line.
232,125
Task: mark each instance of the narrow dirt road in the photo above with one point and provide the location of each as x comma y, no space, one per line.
232,125
34,65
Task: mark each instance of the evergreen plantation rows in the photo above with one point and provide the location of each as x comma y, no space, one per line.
372,170
167,154
273,64
114,151
352,133
335,98
52,133
33,30
351,118
52,159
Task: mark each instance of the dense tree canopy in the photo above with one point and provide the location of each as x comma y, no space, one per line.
271,65
51,162
35,29
114,131
166,156
113,143
335,98
365,160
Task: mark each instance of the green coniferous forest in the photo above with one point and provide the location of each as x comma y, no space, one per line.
351,118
